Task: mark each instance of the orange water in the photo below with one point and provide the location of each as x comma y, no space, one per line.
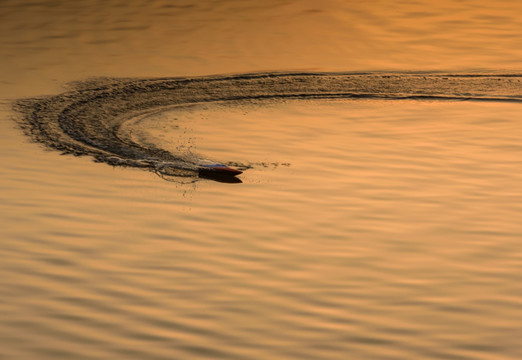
365,229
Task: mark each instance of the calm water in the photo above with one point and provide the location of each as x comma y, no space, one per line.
363,228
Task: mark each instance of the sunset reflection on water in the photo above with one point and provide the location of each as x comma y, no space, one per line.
383,229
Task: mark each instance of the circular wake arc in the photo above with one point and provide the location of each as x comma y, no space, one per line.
87,119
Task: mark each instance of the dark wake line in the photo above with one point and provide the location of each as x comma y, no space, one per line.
86,119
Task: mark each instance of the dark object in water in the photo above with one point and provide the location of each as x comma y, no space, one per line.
217,171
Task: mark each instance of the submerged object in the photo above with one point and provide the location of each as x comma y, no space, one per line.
217,170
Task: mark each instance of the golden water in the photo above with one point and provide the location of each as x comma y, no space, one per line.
365,229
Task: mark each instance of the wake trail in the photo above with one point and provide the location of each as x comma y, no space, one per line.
88,119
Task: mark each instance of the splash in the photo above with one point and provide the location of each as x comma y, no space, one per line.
94,117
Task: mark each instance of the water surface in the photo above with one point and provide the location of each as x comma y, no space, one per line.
377,218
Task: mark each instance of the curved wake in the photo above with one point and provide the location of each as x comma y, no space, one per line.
88,120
